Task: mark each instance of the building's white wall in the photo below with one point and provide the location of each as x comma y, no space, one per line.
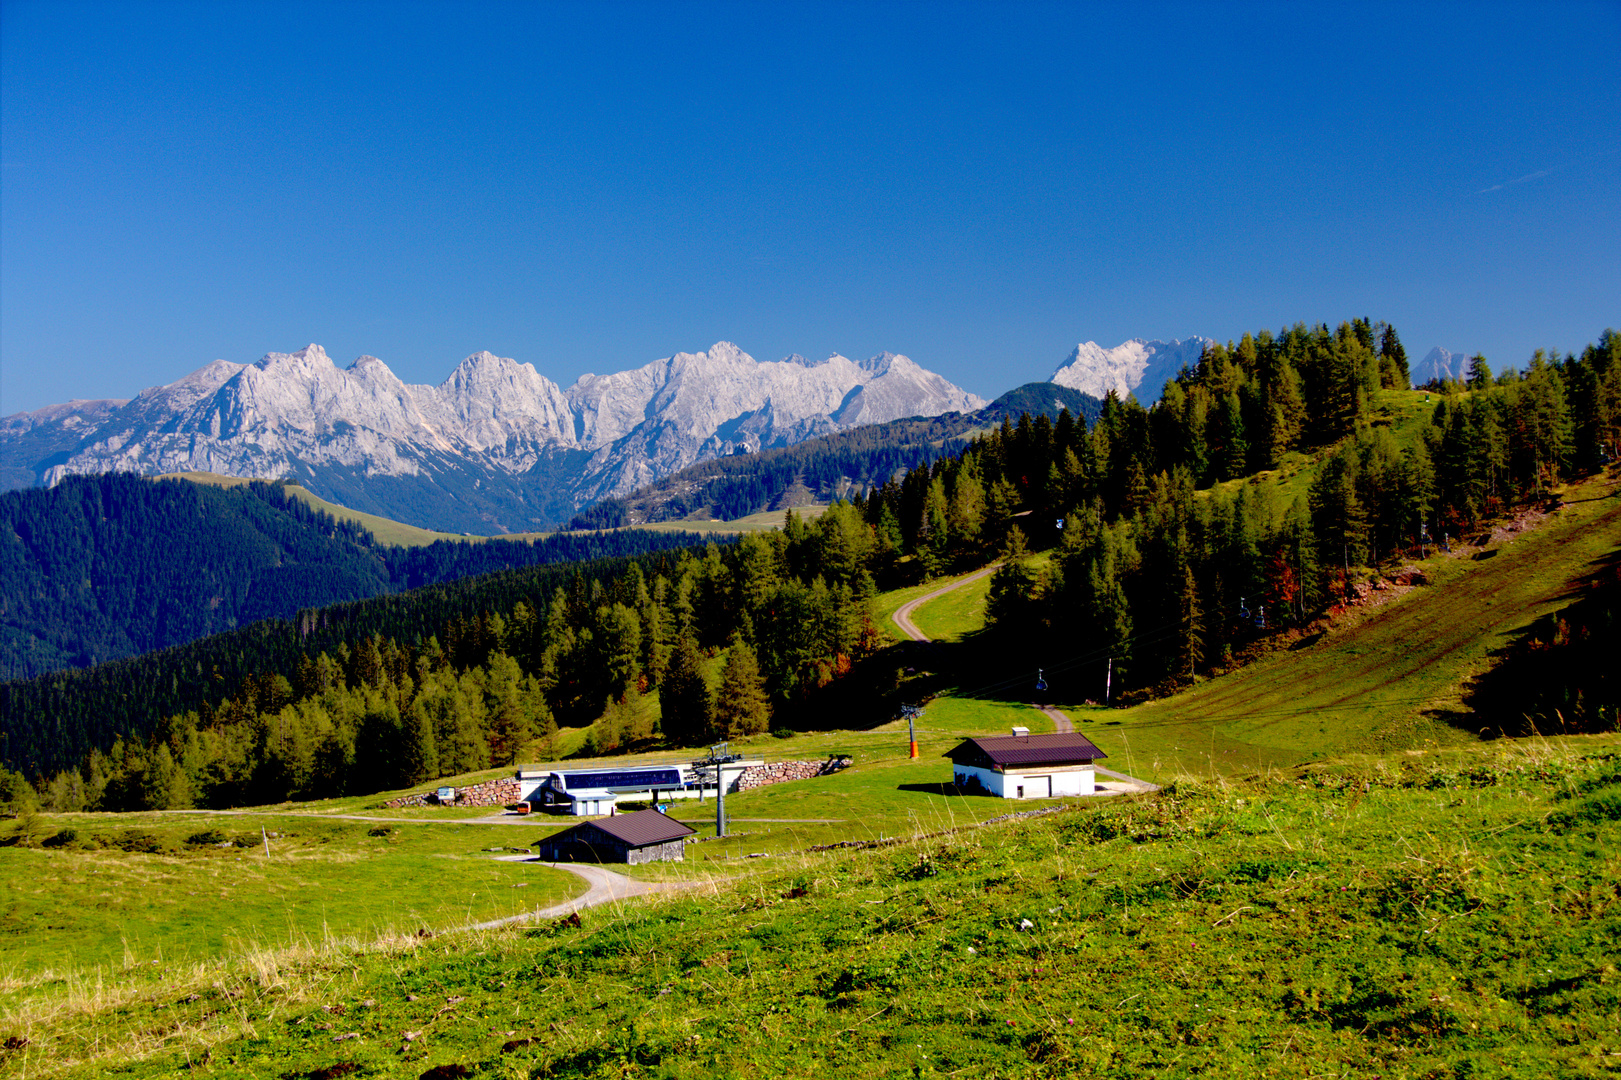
990,780
1067,781
1074,781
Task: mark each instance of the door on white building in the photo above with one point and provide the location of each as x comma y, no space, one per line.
1039,787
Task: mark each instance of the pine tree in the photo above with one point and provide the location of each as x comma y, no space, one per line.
740,706
685,706
1190,626
420,754
1394,359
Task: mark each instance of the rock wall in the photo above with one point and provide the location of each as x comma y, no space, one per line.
502,792
780,772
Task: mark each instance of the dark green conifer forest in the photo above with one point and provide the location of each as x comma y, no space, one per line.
105,567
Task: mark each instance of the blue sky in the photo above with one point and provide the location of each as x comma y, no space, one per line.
591,187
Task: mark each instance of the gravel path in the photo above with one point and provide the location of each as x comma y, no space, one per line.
903,614
606,887
1060,721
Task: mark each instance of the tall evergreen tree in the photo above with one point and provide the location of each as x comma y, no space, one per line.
685,705
740,705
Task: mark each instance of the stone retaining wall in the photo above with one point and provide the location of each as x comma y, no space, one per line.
779,772
490,793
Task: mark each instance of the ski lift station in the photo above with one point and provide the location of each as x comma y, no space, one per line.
594,792
1026,766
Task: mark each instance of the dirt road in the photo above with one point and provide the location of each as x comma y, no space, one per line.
606,887
903,619
903,614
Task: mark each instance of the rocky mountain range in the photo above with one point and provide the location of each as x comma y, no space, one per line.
496,447
1135,367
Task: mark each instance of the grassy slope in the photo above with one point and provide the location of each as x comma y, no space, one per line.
89,906
1382,680
1453,916
1297,990
386,530
398,534
961,612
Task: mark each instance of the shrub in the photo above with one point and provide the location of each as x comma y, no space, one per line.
63,838
140,842
207,836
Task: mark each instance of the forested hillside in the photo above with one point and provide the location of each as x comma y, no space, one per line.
105,567
832,467
1163,562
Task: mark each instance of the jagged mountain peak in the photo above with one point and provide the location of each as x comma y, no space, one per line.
484,362
1138,367
1442,365
310,357
494,424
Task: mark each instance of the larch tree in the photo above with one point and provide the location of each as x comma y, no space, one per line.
740,706
684,701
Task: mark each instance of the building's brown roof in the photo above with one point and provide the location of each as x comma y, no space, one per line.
1056,749
641,828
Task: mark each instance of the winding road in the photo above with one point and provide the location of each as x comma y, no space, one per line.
606,887
903,614
903,619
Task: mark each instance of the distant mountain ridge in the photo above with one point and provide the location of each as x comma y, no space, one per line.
1439,365
829,467
496,447
1136,367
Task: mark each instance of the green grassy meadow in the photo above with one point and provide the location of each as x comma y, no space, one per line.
1446,916
131,890
386,530
955,615
397,533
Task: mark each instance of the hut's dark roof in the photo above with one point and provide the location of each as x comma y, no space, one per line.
641,828
1056,749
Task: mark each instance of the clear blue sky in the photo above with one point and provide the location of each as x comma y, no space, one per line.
591,187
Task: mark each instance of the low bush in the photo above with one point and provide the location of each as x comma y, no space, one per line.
143,843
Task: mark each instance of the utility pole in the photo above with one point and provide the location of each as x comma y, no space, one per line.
1108,681
718,754
912,713
720,799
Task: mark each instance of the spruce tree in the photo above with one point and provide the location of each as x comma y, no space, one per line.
740,706
684,701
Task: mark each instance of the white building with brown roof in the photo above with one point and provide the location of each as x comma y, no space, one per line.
1026,766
